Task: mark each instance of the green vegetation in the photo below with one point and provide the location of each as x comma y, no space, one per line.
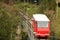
24,35
8,23
57,23
59,12
9,16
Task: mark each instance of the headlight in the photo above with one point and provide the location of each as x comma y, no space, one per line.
34,32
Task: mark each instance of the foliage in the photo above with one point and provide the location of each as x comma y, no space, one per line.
9,20
55,26
58,12
47,4
8,24
24,35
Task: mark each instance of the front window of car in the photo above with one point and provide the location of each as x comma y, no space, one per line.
42,24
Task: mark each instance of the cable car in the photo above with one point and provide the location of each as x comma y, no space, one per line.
41,26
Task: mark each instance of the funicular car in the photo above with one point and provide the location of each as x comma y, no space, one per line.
41,25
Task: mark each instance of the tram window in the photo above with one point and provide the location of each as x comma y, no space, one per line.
42,24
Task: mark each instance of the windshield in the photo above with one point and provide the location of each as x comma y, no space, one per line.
42,24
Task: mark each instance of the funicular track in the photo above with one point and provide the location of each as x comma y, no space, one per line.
26,18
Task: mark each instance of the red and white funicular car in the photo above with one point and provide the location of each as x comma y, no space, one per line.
41,25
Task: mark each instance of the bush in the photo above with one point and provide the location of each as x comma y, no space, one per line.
8,24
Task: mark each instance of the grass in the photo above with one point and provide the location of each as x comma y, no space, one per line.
32,9
59,12
56,24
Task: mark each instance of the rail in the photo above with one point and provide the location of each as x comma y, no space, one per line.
25,17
